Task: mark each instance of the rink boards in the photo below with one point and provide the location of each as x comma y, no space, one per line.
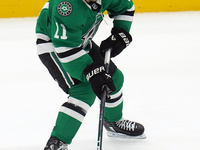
24,8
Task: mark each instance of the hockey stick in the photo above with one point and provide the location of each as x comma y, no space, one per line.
104,96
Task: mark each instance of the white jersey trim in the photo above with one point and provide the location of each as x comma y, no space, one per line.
115,104
42,36
116,95
79,103
123,17
72,113
45,48
46,5
73,57
63,49
132,8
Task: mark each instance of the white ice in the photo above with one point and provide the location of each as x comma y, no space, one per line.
161,89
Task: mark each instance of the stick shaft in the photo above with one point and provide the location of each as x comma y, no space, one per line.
103,100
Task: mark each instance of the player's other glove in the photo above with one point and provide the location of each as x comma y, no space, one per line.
95,74
118,40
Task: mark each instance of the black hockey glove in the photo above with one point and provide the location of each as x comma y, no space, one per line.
96,75
118,40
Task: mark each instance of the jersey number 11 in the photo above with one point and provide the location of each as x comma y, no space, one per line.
64,36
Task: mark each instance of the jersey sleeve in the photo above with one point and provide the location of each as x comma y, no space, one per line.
122,11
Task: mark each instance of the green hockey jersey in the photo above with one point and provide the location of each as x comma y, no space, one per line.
72,24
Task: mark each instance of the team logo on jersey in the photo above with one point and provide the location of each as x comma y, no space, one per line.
64,8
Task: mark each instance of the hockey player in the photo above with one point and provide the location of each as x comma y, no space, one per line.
64,30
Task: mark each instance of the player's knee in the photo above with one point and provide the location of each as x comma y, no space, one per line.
83,92
118,79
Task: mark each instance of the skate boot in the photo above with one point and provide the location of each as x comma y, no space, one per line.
124,129
55,144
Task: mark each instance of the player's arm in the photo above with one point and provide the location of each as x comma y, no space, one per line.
122,12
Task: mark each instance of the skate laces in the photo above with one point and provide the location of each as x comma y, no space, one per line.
126,124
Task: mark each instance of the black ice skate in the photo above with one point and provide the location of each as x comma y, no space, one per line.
124,129
55,144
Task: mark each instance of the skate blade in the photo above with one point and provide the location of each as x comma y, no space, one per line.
123,136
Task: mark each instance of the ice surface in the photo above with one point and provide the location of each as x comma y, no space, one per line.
161,90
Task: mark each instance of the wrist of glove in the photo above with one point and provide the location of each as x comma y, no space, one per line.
118,41
98,78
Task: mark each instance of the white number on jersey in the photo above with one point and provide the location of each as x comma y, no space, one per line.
64,36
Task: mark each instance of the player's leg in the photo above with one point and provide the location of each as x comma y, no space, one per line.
81,96
72,112
113,116
114,122
113,107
